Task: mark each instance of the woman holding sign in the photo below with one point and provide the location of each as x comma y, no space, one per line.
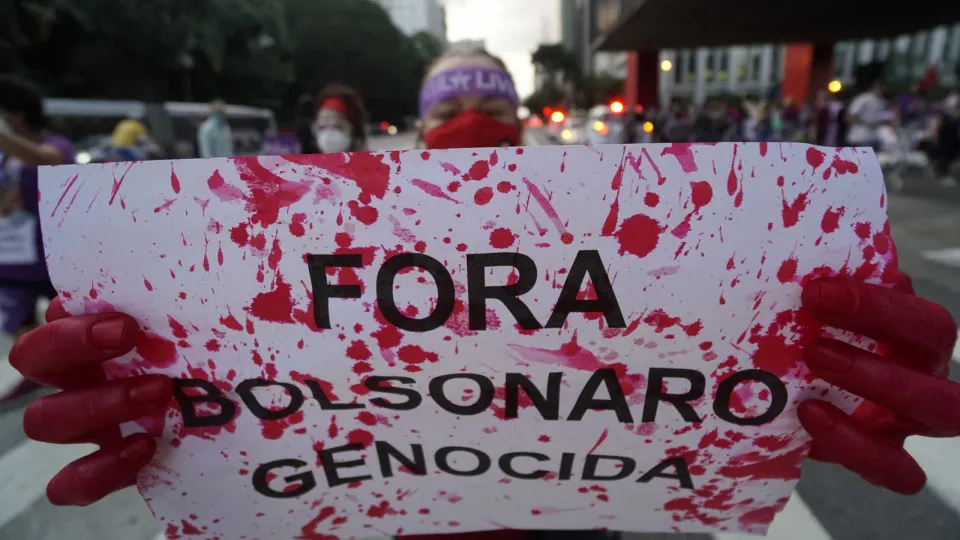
468,101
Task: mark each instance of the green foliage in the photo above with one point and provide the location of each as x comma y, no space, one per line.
547,96
426,47
354,42
557,59
257,52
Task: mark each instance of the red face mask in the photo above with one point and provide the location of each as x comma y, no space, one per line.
472,129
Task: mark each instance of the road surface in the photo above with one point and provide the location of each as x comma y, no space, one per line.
830,503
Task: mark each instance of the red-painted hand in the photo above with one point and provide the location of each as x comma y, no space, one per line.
67,353
907,391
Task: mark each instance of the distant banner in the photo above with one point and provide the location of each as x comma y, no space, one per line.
435,342
279,145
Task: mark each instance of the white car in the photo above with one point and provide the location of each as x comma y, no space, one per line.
604,126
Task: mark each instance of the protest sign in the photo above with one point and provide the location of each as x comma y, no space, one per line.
420,342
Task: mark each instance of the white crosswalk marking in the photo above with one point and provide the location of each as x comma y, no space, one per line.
9,377
939,458
949,256
25,471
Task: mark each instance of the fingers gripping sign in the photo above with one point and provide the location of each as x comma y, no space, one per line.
67,353
907,392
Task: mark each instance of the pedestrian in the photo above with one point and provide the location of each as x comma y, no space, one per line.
919,334
131,141
340,119
943,144
25,144
866,113
214,137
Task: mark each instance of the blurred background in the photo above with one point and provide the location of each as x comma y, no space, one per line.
588,72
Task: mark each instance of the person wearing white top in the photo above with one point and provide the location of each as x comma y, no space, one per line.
867,112
214,138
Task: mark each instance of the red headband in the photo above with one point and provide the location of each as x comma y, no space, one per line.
336,104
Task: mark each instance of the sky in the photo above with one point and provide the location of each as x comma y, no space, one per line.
511,29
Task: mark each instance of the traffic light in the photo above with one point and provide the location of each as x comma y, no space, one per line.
616,107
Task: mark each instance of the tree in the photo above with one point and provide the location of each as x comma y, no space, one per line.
257,52
599,88
153,51
558,61
549,95
427,47
355,43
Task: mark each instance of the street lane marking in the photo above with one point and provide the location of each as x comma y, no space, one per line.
949,256
25,471
795,522
9,377
938,458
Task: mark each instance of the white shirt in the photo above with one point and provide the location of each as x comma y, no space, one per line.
868,110
214,139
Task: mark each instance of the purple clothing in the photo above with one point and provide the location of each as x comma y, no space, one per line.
910,107
26,177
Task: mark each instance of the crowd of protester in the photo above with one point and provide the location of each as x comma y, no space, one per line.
911,122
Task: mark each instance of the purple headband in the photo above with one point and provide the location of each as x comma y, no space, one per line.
467,81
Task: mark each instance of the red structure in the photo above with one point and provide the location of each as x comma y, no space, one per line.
642,75
808,69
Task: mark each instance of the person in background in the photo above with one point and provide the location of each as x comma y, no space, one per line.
303,121
340,118
25,144
68,352
763,128
131,141
214,137
865,114
943,144
824,126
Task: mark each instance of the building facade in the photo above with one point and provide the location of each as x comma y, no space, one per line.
582,22
412,16
698,74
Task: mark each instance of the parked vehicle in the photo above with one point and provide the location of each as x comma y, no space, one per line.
604,126
173,125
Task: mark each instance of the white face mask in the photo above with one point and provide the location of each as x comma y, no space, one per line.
333,140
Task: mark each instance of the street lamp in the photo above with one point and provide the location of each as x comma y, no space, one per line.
835,86
666,65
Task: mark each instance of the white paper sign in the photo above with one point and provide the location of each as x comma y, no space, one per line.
665,281
18,239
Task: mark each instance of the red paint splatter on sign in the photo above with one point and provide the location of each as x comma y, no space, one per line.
639,235
502,238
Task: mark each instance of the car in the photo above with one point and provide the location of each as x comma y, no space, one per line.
573,131
604,126
173,125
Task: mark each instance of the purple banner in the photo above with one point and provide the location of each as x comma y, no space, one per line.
467,81
279,145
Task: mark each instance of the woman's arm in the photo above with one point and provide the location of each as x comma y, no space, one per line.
29,152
